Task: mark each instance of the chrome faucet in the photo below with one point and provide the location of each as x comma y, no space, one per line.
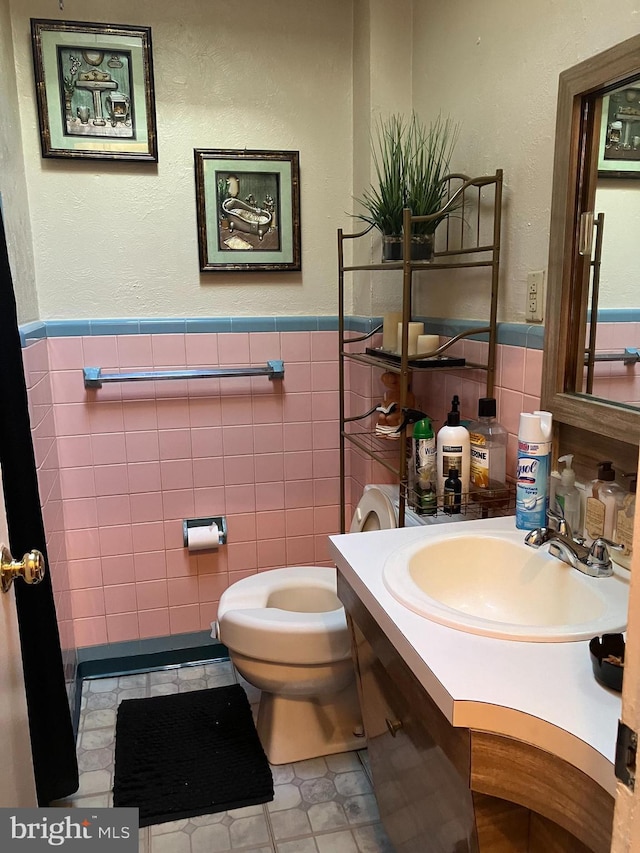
594,561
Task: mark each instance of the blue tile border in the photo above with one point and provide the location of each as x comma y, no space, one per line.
618,315
30,332
513,334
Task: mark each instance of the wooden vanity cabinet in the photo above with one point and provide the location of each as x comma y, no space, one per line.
445,789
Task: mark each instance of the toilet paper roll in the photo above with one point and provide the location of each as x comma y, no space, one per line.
205,538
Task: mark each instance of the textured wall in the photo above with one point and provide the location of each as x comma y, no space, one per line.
15,210
118,239
494,68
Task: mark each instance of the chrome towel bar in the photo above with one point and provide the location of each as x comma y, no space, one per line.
95,378
630,355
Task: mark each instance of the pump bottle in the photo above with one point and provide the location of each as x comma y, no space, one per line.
567,495
453,450
602,504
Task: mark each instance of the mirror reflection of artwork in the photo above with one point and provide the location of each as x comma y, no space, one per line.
619,148
248,204
96,91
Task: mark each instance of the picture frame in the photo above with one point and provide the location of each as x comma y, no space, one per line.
94,90
248,210
619,142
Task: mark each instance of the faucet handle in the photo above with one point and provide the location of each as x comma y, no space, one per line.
559,523
599,552
536,538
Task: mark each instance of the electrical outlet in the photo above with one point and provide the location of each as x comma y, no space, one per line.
535,296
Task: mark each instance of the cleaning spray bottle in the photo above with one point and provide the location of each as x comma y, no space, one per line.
423,469
534,457
453,450
567,495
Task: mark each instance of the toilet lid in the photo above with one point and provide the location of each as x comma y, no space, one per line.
374,512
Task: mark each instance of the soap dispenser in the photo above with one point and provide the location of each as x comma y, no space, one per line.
453,450
602,504
567,495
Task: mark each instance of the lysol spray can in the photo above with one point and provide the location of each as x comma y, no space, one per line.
534,466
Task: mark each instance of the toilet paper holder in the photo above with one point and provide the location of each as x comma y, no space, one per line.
219,520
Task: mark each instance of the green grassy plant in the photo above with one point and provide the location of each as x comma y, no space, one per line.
410,161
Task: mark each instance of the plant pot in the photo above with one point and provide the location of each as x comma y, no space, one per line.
421,247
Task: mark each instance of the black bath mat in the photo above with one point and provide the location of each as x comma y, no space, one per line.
189,754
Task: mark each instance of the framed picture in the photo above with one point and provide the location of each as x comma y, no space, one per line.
248,207
94,87
619,149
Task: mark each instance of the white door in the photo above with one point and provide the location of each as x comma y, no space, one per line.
17,786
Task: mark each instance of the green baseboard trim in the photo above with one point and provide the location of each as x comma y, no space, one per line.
145,660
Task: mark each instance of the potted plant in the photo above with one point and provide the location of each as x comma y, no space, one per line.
410,160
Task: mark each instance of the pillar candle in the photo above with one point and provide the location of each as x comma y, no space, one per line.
390,322
415,330
428,343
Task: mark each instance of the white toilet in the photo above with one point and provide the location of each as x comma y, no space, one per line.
287,635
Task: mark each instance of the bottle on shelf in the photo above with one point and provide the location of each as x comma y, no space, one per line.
488,456
452,495
453,449
567,495
423,468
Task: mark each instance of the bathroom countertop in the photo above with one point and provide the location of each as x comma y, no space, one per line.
541,693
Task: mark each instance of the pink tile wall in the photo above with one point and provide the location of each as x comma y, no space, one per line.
615,380
137,458
40,401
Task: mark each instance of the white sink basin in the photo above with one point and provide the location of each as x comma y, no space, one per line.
493,584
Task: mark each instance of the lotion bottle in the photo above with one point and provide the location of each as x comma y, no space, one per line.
612,495
595,514
567,495
453,450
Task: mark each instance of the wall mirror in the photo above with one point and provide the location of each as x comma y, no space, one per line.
591,375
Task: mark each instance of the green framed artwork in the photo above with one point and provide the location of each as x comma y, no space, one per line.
94,88
248,209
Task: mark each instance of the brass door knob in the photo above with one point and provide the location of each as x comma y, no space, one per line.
31,567
394,726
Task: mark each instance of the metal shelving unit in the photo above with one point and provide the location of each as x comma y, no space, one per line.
461,249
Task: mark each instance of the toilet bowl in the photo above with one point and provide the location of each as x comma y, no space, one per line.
287,635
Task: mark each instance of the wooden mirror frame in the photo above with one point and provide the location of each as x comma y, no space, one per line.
591,428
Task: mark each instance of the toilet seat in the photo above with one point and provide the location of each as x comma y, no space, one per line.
374,512
269,633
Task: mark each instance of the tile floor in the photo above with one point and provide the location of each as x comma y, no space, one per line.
325,805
